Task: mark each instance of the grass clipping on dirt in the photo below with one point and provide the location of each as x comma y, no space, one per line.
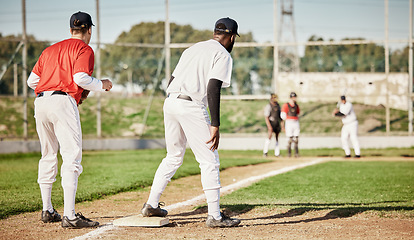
345,188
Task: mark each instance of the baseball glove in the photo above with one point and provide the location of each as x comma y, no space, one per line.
84,96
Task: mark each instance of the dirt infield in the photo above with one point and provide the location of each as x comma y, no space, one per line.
268,222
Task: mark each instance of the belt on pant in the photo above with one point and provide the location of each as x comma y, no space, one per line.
182,96
55,92
185,97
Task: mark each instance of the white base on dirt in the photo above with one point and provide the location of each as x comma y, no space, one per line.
140,221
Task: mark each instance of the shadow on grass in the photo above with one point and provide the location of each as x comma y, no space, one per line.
337,210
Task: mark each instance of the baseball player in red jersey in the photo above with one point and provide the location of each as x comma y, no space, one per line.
59,78
195,83
290,113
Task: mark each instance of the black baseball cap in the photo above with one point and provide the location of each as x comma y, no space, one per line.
230,26
343,97
293,94
85,20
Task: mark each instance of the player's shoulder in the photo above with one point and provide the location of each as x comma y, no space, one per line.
214,46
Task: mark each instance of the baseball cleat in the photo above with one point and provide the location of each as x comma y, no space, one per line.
79,222
148,211
357,156
225,221
48,217
347,156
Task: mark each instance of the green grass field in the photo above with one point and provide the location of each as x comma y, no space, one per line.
110,172
105,173
347,187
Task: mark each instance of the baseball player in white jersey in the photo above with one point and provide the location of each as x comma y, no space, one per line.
346,112
60,78
290,115
195,84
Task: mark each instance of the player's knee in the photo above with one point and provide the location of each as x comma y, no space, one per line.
295,140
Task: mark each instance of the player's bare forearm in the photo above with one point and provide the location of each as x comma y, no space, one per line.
215,138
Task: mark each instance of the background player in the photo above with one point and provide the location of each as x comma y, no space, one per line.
59,78
273,123
345,110
197,80
290,113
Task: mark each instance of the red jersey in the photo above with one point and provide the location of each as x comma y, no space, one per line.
58,63
292,112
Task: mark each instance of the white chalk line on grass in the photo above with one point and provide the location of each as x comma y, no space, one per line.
194,200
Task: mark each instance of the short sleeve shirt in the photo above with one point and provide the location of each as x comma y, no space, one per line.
285,109
348,110
197,65
58,63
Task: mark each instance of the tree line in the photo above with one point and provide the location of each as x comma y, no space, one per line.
252,65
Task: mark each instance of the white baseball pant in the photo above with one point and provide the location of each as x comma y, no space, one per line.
292,128
58,123
188,121
350,130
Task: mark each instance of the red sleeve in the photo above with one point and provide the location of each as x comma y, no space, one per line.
85,61
298,110
37,69
285,108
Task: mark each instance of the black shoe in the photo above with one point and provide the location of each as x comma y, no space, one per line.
225,221
148,211
264,154
347,156
48,217
357,156
79,222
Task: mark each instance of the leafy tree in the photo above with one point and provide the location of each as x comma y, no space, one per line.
8,45
144,61
351,58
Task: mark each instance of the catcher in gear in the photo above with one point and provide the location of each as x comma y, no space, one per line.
290,113
273,122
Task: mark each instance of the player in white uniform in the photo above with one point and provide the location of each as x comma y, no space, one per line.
195,84
349,128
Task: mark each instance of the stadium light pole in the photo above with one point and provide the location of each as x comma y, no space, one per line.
98,72
167,41
387,71
275,50
24,70
410,71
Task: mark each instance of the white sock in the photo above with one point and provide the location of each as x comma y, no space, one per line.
213,203
46,191
266,146
153,199
69,193
277,149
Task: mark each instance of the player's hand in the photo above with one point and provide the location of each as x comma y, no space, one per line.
106,84
215,137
